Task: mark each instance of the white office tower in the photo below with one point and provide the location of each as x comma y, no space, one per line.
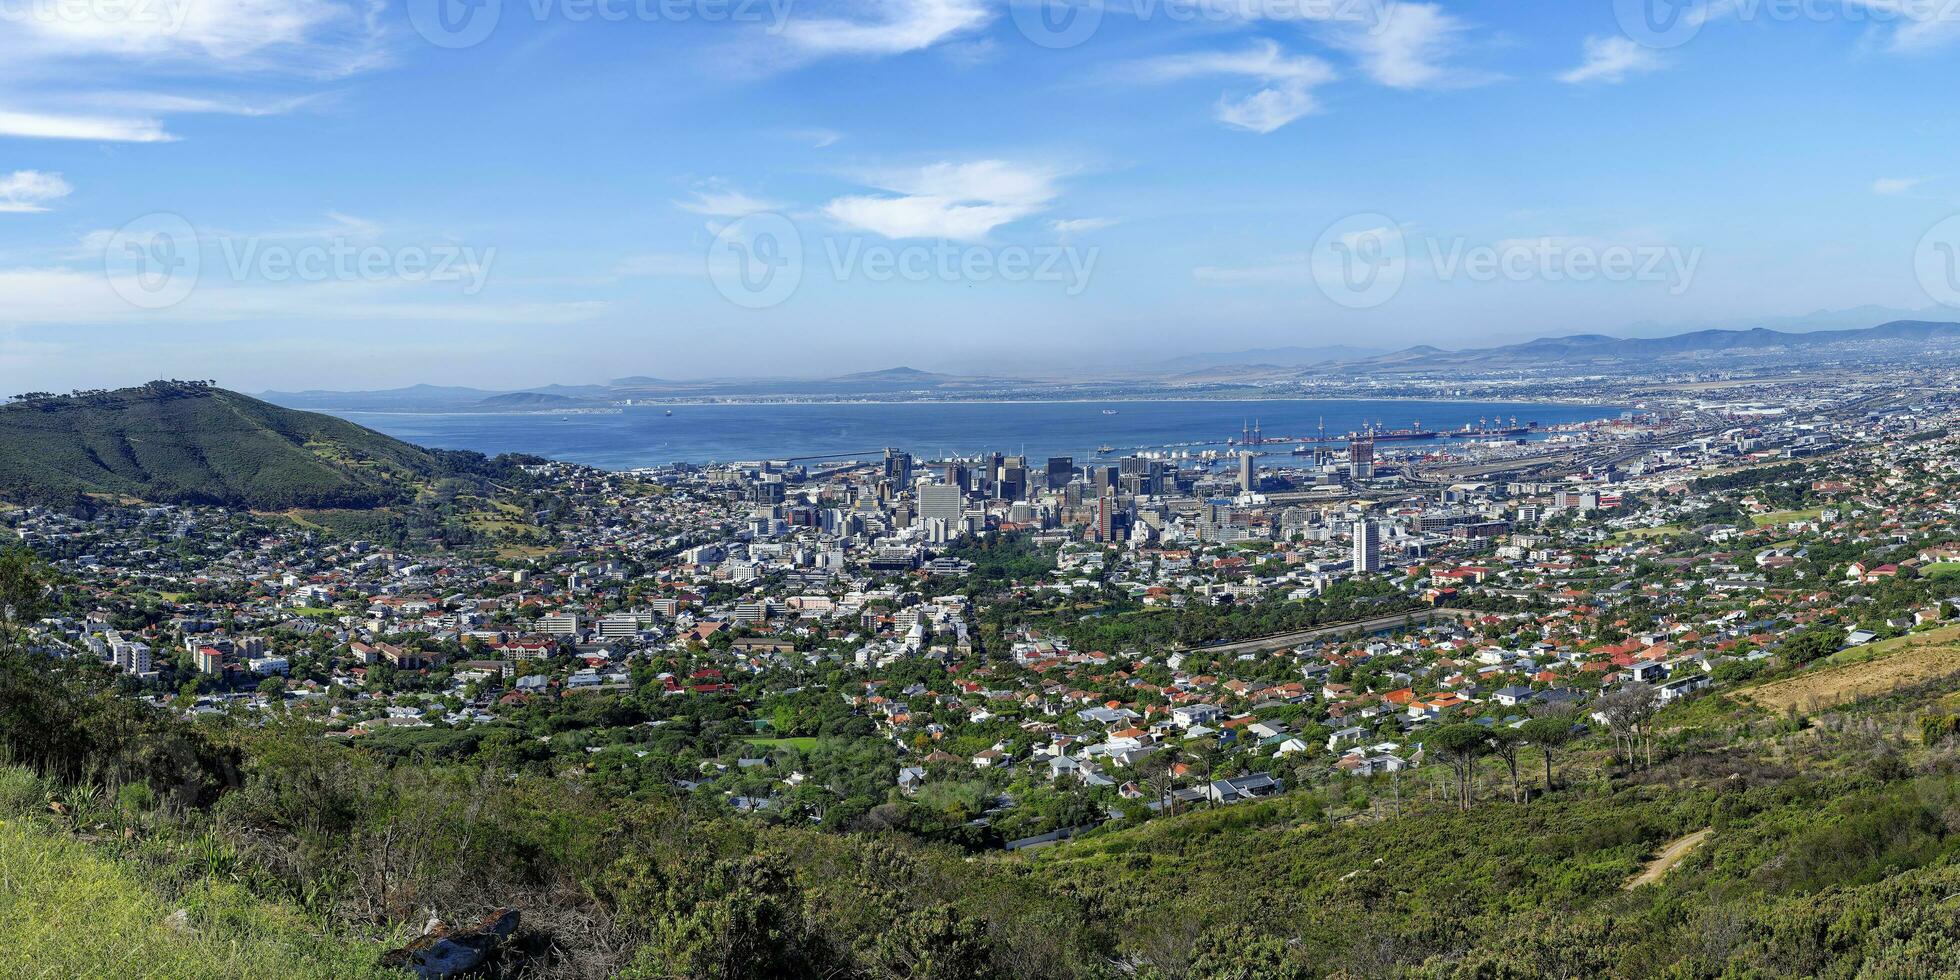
1367,547
941,502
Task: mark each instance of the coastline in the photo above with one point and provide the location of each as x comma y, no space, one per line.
1133,400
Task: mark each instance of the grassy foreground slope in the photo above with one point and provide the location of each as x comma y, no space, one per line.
181,442
66,910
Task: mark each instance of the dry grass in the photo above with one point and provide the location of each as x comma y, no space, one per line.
1915,660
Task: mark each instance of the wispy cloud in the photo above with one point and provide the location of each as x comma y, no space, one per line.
724,203
817,137
1610,60
960,201
30,191
1921,25
1896,185
1409,46
1289,82
314,36
1077,226
51,50
886,27
62,126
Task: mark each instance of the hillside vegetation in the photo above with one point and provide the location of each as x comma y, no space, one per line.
1833,850
68,911
192,443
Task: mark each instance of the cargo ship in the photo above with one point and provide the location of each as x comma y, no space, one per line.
1415,433
1502,431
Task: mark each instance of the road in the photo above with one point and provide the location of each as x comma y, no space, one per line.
1669,856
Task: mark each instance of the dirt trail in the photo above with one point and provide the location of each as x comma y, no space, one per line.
1669,856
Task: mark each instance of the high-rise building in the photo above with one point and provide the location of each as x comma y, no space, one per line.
1361,459
1248,472
1367,547
898,467
1061,469
941,502
1105,529
1013,481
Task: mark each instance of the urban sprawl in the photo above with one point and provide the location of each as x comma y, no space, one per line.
1004,651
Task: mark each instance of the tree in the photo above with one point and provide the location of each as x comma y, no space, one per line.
1549,733
24,582
1627,710
1159,777
1506,743
1460,745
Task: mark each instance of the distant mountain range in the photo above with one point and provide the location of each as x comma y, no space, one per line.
1246,368
1594,351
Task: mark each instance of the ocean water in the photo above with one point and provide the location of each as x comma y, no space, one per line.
647,436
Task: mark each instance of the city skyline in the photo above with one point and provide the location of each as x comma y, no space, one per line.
513,195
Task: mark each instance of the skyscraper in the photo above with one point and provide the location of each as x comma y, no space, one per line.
1248,472
898,467
941,502
1061,469
1367,547
1105,529
1361,459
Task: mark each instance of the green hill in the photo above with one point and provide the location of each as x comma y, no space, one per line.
192,443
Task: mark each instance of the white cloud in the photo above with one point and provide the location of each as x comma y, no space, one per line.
148,103
308,35
818,138
1611,60
50,50
960,201
1922,24
1076,226
723,203
1896,185
61,126
1408,45
30,191
1289,79
887,27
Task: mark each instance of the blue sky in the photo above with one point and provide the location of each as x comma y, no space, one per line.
328,193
